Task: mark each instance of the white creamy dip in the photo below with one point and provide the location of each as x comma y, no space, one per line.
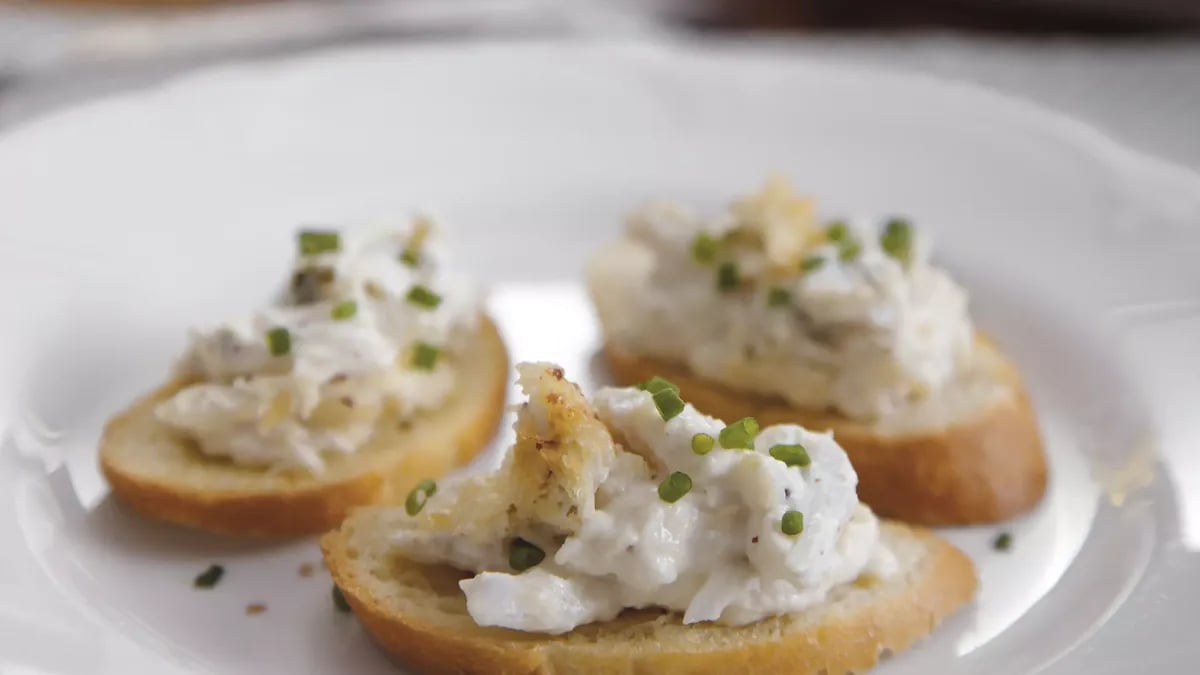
842,325
719,553
358,347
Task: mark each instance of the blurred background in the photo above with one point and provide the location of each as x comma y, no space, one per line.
1131,67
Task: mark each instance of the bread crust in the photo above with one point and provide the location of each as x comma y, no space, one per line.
847,634
985,469
298,505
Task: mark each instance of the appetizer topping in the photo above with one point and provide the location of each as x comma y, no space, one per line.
279,341
602,506
871,326
420,494
355,337
896,240
425,356
314,242
792,523
522,555
704,248
674,487
739,435
657,384
209,577
410,257
344,310
837,231
849,250
423,297
792,455
812,263
668,403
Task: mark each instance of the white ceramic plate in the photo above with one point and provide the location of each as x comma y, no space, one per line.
127,220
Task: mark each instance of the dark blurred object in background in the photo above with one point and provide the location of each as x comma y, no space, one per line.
1003,16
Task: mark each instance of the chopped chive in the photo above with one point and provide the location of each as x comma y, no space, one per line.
425,356
739,435
420,494
704,248
896,239
657,384
279,341
668,403
792,455
702,444
344,310
778,297
674,487
849,250
837,231
339,600
313,242
209,577
728,277
307,283
792,523
812,263
410,257
421,296
1003,542
523,554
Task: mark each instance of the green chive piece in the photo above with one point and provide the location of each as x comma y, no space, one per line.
778,297
739,435
704,248
728,277
674,487
896,239
657,384
423,297
792,455
1003,542
279,341
523,554
425,356
792,523
339,600
410,257
849,250
313,242
209,577
702,444
812,263
837,231
420,494
668,403
344,310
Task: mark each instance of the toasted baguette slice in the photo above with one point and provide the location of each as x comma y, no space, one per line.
418,614
972,454
161,474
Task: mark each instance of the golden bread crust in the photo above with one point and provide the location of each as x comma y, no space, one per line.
417,615
161,475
